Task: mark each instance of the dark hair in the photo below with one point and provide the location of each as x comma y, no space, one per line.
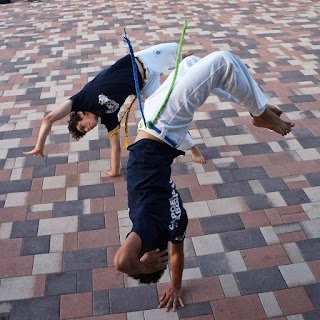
72,126
147,278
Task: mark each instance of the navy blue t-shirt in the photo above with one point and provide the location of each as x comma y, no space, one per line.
106,93
155,206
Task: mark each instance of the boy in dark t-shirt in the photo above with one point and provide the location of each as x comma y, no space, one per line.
103,97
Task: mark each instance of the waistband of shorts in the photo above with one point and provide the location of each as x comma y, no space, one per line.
144,80
157,146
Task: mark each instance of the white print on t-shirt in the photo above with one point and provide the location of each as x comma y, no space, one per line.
175,209
111,105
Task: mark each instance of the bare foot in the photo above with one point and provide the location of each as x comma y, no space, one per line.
275,110
197,155
271,120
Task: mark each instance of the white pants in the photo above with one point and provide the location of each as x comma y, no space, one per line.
219,72
156,60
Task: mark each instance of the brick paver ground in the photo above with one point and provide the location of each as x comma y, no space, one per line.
253,240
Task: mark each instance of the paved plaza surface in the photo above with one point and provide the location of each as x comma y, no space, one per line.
252,249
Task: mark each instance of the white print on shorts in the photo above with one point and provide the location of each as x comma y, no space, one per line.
175,209
111,105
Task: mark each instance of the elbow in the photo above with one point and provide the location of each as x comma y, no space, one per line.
120,263
48,119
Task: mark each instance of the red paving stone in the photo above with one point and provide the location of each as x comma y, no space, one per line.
265,257
106,278
246,307
205,289
294,301
76,305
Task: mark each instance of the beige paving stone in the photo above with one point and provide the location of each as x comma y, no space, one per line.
312,209
41,207
47,263
89,178
207,244
197,209
56,243
269,235
191,273
229,285
236,140
313,193
16,199
208,178
17,288
58,225
54,182
293,252
270,304
5,230
160,314
298,274
227,205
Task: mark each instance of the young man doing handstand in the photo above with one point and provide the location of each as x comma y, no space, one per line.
104,95
155,207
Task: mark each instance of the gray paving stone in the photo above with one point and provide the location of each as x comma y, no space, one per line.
191,262
233,189
15,186
195,310
22,229
59,138
210,153
91,222
224,131
35,245
310,142
133,299
260,280
101,303
313,178
223,223
258,148
89,155
35,309
313,315
52,160
98,144
310,249
44,171
96,191
84,281
258,201
221,263
84,259
252,173
67,208
273,184
185,195
242,239
179,169
293,197
61,283
23,133
313,291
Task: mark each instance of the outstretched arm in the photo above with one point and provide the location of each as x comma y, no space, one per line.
173,295
114,138
60,112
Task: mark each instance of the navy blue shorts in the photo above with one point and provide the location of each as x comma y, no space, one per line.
155,206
